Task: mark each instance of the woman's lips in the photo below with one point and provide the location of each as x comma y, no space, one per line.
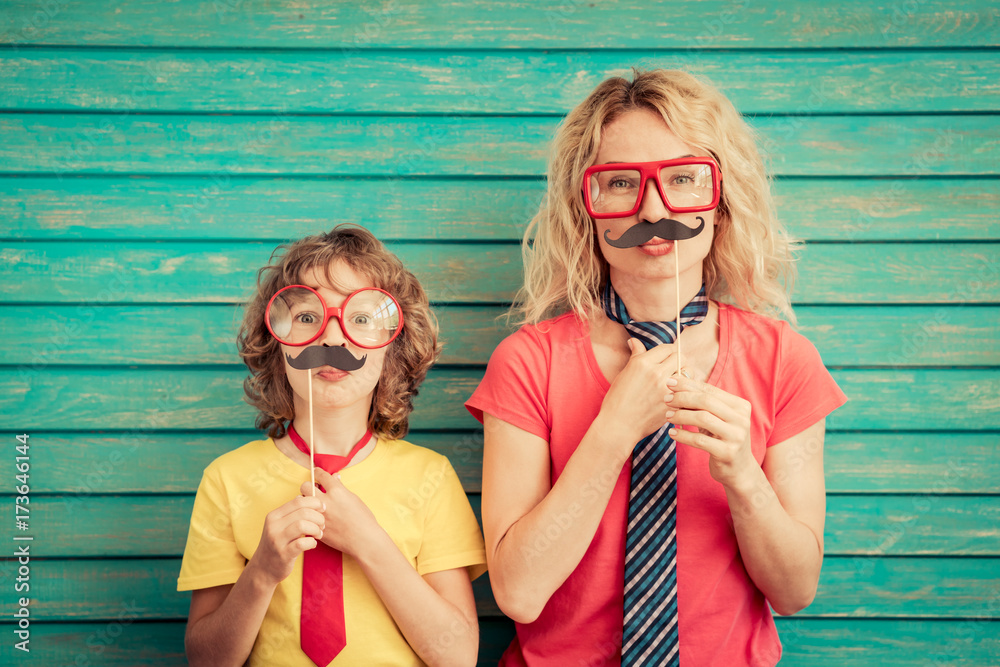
657,247
331,374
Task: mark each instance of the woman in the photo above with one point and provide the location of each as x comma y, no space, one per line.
657,199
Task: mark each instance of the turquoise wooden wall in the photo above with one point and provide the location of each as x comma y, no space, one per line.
153,153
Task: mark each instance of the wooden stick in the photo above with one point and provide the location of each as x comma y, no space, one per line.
312,439
677,281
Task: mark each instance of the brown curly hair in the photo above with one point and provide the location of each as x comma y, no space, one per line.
407,359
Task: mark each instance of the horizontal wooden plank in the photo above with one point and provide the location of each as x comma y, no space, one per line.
109,526
73,526
82,464
211,398
908,336
495,635
806,642
273,209
915,399
869,209
124,642
921,462
524,82
146,587
126,143
103,589
850,586
140,401
881,525
192,334
829,642
102,273
870,586
898,273
97,273
483,24
912,525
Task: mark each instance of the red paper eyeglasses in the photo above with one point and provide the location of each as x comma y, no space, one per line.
370,317
686,185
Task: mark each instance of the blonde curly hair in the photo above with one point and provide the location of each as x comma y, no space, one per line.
750,263
407,358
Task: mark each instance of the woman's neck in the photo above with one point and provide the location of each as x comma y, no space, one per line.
655,300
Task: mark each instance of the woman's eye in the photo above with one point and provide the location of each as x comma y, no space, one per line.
619,183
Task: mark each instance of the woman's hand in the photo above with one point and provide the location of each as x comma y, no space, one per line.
636,400
348,520
288,531
723,427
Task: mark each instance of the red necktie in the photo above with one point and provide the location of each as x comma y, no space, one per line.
323,634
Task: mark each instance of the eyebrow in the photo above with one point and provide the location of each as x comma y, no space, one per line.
671,158
332,285
318,287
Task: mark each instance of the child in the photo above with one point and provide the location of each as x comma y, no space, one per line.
389,544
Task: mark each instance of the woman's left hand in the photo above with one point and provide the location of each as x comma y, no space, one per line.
723,423
348,520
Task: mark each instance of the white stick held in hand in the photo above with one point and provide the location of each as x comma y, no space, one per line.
677,282
312,439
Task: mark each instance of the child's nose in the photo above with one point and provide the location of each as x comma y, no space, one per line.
333,335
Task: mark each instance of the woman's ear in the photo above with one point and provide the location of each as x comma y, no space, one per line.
721,215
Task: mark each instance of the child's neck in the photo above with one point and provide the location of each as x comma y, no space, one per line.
334,433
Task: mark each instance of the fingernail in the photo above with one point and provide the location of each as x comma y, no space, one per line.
671,382
670,413
672,432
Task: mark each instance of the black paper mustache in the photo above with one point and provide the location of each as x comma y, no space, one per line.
665,228
315,356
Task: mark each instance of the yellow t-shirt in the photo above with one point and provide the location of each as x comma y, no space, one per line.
413,492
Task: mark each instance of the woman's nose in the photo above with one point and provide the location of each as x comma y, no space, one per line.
652,207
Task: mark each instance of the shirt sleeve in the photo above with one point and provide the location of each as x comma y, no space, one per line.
452,537
211,557
805,390
514,387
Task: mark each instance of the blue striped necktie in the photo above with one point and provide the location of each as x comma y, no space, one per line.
650,614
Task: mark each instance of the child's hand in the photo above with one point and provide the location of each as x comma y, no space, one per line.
288,531
348,519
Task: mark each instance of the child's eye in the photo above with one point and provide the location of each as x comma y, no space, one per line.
306,318
362,319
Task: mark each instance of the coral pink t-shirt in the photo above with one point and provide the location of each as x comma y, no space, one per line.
545,379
